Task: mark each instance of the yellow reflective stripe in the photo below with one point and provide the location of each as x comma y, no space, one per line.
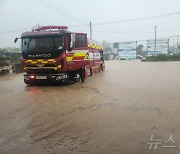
39,60
51,60
59,66
34,62
69,58
76,54
44,62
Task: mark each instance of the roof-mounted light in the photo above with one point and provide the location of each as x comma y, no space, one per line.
51,28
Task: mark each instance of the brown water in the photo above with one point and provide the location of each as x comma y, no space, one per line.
112,112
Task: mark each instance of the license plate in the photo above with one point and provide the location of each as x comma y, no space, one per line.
41,77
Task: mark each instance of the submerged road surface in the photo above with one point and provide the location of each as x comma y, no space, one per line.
131,108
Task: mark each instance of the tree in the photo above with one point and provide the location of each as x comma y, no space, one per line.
116,45
139,49
10,54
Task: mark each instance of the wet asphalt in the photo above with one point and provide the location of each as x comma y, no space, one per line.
115,111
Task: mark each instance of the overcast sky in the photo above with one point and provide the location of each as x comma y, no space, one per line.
17,16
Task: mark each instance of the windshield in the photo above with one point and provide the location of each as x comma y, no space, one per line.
45,44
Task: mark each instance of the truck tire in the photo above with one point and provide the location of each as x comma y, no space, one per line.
66,82
101,67
91,72
82,74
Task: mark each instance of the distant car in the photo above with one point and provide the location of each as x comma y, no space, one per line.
4,68
139,57
111,57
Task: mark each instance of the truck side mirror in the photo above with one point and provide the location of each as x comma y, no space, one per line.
15,40
70,42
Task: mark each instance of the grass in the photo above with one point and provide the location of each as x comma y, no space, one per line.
163,58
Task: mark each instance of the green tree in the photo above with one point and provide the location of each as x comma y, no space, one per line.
139,49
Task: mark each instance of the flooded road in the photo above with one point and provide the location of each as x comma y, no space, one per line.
115,112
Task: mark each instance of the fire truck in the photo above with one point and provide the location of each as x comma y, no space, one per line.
54,54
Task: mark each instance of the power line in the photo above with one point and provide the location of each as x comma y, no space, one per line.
157,38
138,19
130,32
131,20
151,39
119,32
101,31
58,10
15,30
52,7
168,31
103,23
158,24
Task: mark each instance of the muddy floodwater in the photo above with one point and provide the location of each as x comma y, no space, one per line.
131,108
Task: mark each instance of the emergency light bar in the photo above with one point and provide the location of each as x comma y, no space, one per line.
46,28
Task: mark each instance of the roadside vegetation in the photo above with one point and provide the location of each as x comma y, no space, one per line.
163,58
10,54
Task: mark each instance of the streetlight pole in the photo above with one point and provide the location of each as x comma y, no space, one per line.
177,43
90,30
155,38
168,45
136,48
173,44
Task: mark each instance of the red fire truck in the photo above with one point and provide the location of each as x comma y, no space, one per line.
52,53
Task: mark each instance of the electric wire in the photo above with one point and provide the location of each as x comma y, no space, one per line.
58,9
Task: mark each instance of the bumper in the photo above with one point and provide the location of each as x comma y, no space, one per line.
35,78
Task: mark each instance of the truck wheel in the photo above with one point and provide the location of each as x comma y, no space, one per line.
91,72
77,77
66,82
82,74
101,67
82,79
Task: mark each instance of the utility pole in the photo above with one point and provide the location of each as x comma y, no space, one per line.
136,45
155,38
177,43
168,45
90,30
136,48
147,46
173,45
